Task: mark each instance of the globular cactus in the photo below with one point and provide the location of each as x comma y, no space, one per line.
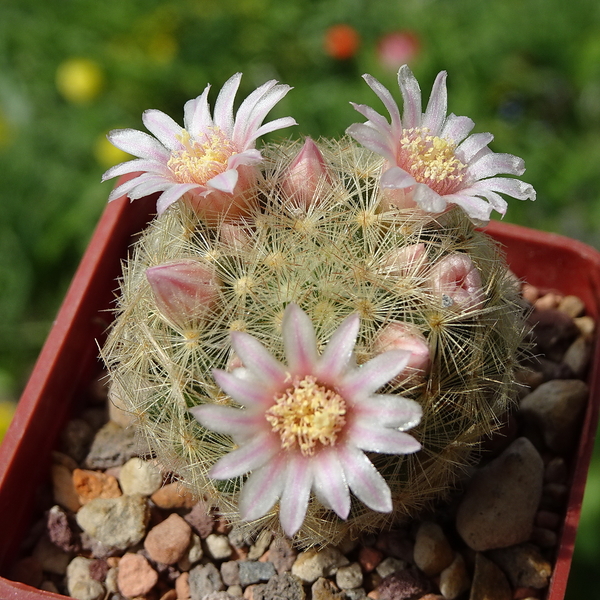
318,241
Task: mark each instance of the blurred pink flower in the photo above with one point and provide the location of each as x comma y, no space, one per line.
304,179
209,160
184,290
307,425
458,281
404,336
431,160
397,48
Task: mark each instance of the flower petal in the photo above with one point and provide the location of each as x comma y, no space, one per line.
262,489
475,207
228,420
472,145
375,119
299,340
330,485
223,114
411,95
374,438
373,140
386,97
494,164
397,179
252,455
248,392
370,376
139,144
173,194
196,114
364,480
258,359
389,410
456,128
138,164
224,182
128,187
428,200
507,185
437,107
163,128
337,354
296,491
248,157
271,126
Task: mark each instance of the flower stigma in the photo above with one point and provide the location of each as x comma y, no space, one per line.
306,415
200,161
431,160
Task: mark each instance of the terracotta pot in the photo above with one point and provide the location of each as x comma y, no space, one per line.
68,363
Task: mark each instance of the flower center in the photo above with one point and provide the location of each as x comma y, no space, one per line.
431,160
201,160
306,415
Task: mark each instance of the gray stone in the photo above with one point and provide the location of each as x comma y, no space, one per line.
282,554
356,594
252,571
230,572
219,596
524,565
115,522
281,587
499,505
432,552
204,580
112,447
52,559
139,476
489,582
349,577
577,357
76,438
389,565
556,408
80,583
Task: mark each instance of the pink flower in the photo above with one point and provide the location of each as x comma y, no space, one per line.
184,290
307,425
209,160
306,177
404,336
431,160
458,281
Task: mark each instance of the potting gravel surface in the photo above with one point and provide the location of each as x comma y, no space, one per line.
115,526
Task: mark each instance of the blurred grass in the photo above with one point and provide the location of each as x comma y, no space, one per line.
526,70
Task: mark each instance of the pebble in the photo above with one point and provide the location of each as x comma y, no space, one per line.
282,554
260,546
281,587
577,357
369,558
61,530
556,408
200,519
454,579
192,555
349,577
204,580
432,552
135,575
586,326
28,570
115,522
168,541
218,546
572,306
230,572
524,565
139,476
76,438
182,586
112,447
219,596
94,484
63,490
390,564
312,564
253,571
553,331
173,495
51,558
404,585
499,505
324,589
79,582
489,582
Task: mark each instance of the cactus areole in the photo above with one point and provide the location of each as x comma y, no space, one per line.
314,335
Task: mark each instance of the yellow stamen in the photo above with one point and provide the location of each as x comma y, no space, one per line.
431,160
306,415
200,161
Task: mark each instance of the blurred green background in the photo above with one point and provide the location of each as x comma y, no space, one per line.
526,70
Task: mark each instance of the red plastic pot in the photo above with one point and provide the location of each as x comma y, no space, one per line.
68,363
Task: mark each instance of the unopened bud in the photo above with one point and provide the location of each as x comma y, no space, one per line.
184,290
307,178
458,281
405,261
404,336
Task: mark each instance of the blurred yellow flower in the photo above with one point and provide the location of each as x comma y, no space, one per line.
7,409
79,80
108,155
163,48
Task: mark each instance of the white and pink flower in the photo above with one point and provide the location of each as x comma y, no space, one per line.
210,160
306,426
431,160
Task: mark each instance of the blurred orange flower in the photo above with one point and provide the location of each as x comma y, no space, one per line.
341,41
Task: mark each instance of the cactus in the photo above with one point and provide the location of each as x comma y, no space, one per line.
315,233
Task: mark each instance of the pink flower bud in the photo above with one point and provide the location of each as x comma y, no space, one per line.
456,279
234,237
404,336
307,176
408,260
184,290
